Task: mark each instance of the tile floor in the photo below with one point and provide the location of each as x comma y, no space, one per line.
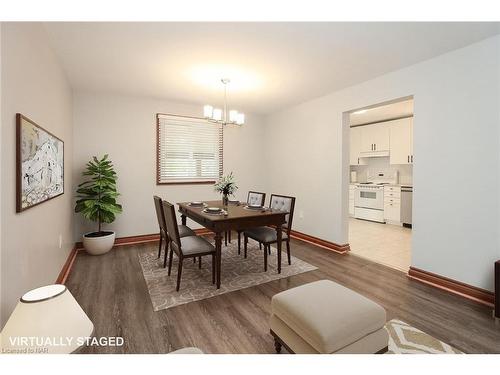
382,243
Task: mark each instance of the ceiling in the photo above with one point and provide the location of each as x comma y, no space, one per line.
381,112
271,65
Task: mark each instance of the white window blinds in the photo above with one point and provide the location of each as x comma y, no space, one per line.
189,150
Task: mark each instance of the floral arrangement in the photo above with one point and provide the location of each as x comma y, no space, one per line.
226,185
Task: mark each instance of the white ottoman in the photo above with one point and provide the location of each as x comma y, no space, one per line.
325,317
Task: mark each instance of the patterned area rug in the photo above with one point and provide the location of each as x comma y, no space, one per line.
405,339
237,273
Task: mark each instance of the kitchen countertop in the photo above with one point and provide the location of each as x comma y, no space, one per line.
400,185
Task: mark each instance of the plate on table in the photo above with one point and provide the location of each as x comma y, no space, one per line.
197,204
213,210
255,207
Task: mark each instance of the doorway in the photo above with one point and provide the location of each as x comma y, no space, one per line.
381,182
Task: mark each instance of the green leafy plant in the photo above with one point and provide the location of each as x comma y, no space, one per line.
226,185
96,198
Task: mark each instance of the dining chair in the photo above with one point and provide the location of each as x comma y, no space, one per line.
253,198
160,215
267,235
185,247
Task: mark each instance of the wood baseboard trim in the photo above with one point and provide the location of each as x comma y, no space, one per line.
202,231
340,249
143,238
473,293
68,265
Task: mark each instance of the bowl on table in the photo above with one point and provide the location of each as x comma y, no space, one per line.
255,206
213,210
197,204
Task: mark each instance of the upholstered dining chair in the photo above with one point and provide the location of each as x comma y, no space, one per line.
253,198
160,215
185,247
267,235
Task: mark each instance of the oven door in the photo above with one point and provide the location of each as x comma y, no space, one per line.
369,198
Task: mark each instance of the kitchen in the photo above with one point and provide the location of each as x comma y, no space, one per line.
381,183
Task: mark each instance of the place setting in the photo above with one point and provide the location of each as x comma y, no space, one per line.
214,211
198,204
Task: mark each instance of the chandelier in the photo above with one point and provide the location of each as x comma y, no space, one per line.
223,116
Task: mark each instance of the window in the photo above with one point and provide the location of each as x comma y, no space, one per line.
189,150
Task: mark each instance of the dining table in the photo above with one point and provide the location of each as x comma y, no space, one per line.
233,216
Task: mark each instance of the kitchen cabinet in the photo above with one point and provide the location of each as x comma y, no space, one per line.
375,137
401,141
392,204
355,146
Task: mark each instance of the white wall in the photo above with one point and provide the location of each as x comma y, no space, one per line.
125,128
455,174
33,84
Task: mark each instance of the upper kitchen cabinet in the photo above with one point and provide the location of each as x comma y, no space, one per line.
355,149
375,137
401,145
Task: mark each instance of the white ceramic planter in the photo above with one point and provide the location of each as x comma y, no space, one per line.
98,245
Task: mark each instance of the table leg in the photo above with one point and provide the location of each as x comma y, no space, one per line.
278,238
218,246
183,219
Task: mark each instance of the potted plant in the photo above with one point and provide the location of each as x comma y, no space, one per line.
96,201
226,186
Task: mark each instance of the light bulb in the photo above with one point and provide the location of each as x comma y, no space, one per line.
240,119
207,111
217,114
233,115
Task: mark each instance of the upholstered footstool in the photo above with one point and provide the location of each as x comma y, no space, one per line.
325,317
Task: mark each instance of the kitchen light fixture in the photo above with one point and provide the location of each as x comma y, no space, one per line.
223,116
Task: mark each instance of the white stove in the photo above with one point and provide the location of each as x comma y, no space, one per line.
369,196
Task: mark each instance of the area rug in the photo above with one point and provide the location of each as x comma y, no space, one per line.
405,339
237,273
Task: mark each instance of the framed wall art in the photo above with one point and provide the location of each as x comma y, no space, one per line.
39,164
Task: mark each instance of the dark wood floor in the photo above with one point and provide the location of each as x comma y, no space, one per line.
112,290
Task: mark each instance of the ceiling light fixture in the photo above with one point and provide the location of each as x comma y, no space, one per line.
223,116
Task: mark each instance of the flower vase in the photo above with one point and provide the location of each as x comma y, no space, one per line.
225,200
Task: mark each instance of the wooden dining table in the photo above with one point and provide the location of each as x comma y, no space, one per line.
239,217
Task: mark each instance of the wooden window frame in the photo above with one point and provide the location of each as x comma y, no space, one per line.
205,182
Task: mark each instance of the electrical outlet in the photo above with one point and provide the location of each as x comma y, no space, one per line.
60,241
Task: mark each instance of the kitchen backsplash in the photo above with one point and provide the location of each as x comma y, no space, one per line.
405,171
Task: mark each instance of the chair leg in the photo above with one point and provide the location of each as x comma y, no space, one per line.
288,252
277,345
239,243
213,268
265,257
199,263
269,249
159,246
166,254
171,256
245,242
179,273
225,238
260,245
229,236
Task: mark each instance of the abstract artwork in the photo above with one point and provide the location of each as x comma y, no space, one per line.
39,163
